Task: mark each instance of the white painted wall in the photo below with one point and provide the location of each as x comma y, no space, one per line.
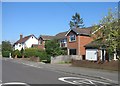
19,46
27,44
91,54
30,41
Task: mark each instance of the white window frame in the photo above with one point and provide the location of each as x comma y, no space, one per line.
70,38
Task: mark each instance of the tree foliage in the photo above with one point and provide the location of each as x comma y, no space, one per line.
6,48
16,53
76,21
109,33
52,48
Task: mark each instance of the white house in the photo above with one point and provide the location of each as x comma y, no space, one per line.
25,42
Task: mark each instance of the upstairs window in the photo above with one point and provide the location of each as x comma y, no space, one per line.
63,40
72,38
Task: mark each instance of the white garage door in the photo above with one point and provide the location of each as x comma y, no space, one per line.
91,54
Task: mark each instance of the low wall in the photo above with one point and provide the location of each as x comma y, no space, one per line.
35,59
112,65
64,58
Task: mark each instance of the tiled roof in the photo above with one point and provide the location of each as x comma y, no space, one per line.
86,31
81,31
47,37
95,44
61,35
23,39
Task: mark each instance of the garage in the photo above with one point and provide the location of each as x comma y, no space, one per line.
91,54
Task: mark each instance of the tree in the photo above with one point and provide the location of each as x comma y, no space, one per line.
6,48
108,34
16,53
76,21
22,52
52,48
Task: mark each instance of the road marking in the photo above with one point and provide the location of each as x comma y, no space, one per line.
16,83
77,80
32,65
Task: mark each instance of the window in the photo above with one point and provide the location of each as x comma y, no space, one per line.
63,40
20,45
73,51
72,38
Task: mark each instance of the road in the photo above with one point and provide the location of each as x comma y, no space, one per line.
17,72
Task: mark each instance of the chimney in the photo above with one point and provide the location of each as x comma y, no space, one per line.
21,36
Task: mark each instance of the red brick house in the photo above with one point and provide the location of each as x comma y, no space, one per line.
77,39
73,41
42,39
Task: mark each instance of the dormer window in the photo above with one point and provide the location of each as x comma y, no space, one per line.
72,38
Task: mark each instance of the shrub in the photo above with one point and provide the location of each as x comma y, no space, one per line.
30,52
16,52
52,48
5,53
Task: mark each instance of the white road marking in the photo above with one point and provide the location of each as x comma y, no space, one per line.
31,65
76,80
109,79
16,83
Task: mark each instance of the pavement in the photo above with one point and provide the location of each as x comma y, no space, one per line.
60,71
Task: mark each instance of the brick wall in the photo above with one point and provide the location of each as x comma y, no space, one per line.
79,44
83,41
74,44
41,46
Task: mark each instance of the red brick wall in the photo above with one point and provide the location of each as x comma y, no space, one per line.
83,41
41,46
74,44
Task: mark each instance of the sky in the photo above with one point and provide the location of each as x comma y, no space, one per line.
48,18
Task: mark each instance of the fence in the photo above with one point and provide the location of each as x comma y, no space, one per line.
65,58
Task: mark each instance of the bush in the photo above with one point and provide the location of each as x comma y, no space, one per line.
5,53
30,52
16,52
52,48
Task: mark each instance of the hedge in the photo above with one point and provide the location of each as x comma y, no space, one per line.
5,53
29,52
